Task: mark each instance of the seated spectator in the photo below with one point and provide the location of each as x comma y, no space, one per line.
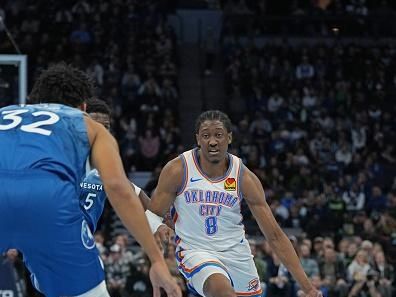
117,271
332,272
354,198
376,201
305,70
358,269
149,148
278,283
386,274
309,264
261,265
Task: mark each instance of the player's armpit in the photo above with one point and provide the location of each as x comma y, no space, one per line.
170,179
255,197
105,154
144,199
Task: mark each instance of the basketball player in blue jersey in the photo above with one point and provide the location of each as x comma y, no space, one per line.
205,186
43,153
93,196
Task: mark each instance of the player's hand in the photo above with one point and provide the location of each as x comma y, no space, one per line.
161,278
163,234
312,293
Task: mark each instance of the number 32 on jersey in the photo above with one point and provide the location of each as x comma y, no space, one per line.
15,119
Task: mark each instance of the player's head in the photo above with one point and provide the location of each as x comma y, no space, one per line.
99,111
64,84
213,134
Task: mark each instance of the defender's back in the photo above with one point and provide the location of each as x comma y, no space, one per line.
43,152
50,137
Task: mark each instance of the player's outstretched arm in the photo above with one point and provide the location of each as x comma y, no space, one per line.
169,181
254,195
162,233
105,158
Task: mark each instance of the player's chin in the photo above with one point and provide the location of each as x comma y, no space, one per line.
214,160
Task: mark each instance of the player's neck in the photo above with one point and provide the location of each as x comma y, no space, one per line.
213,170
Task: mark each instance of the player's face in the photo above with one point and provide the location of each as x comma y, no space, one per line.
213,139
101,118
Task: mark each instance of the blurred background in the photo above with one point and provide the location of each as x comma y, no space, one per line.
309,85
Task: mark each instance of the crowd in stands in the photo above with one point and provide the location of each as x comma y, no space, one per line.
315,122
299,7
321,18
130,51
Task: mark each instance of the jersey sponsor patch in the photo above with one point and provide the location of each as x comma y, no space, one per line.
87,238
230,184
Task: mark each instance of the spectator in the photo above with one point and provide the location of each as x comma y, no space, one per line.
332,272
386,275
358,269
149,146
117,271
305,70
309,265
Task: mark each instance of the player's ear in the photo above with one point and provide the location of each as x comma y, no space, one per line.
83,106
197,139
229,138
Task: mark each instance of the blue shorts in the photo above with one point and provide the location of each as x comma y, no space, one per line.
41,217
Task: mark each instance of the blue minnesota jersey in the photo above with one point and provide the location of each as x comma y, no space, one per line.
54,136
92,198
43,152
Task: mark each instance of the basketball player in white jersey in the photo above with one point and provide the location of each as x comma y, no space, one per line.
205,186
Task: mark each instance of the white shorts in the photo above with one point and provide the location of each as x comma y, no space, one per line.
99,291
236,264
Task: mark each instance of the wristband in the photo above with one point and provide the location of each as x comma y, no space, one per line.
153,220
137,189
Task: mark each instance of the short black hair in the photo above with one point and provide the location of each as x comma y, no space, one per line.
213,115
96,105
64,84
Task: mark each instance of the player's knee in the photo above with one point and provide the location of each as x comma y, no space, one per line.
217,285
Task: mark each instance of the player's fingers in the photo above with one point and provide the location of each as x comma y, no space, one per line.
156,291
157,237
164,237
173,290
171,233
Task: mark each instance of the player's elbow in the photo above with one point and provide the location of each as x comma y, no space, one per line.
117,188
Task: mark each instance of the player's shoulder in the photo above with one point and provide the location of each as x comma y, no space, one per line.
173,171
248,176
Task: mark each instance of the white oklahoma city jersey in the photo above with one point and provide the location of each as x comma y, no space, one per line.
207,212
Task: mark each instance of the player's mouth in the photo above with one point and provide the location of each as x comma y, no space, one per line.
213,152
